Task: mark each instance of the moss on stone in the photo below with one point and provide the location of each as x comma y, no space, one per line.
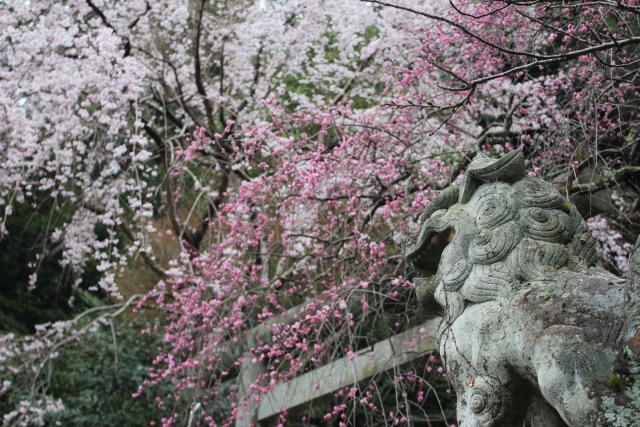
615,383
566,207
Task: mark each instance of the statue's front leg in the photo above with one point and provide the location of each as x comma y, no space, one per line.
544,415
487,402
569,371
489,393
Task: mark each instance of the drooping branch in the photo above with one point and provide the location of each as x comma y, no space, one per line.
256,78
125,40
126,229
169,184
178,91
347,87
197,68
135,21
538,59
458,26
195,238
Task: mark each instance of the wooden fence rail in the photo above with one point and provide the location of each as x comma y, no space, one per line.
381,357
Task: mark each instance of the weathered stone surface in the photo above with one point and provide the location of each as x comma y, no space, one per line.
529,317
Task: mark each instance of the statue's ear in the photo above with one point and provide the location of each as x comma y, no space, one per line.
467,188
508,168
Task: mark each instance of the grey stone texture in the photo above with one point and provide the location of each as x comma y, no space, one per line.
529,318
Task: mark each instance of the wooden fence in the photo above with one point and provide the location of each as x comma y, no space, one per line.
383,356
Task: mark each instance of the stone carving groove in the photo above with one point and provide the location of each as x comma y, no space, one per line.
455,278
529,317
491,246
537,193
545,224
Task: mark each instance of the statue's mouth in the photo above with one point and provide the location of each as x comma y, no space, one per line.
424,255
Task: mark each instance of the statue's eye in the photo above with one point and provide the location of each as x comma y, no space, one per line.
477,401
438,213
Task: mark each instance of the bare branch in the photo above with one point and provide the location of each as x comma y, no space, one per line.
125,40
614,179
135,22
347,87
197,69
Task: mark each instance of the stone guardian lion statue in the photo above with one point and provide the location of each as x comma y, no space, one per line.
530,320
